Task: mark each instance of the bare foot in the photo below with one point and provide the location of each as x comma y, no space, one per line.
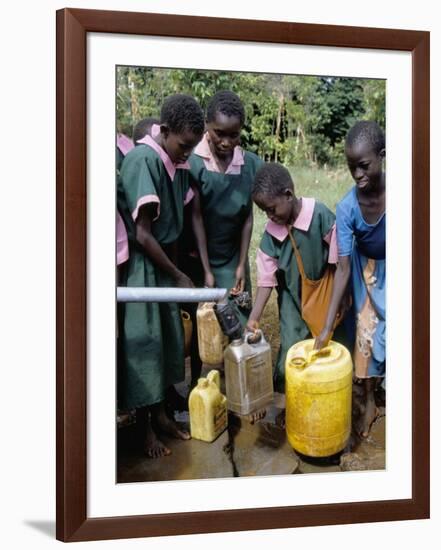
370,414
256,416
153,447
167,425
281,420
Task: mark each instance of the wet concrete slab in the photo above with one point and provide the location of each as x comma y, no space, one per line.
189,460
246,449
260,449
243,450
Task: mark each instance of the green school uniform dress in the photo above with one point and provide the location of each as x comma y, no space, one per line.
151,334
226,204
314,250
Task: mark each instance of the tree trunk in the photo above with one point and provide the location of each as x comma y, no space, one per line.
279,121
134,106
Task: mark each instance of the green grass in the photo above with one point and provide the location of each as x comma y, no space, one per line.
327,186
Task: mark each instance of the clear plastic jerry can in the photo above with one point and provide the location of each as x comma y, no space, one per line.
248,374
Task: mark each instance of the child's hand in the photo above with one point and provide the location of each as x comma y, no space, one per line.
209,280
240,280
182,281
252,325
322,339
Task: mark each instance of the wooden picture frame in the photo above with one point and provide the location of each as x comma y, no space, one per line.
73,524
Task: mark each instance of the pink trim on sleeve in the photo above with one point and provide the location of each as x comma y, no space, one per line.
331,239
266,269
189,196
122,244
146,199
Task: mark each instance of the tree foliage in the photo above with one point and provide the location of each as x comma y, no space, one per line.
290,119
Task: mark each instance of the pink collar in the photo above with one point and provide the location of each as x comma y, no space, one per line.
124,143
203,150
170,166
302,222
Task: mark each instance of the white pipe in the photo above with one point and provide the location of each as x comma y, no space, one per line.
165,294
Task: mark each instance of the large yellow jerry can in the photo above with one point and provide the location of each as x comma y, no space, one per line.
208,409
211,339
318,398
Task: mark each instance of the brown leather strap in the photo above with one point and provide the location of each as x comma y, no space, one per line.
297,253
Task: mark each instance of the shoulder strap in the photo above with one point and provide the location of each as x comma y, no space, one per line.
297,253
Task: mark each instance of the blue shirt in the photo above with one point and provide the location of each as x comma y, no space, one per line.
370,239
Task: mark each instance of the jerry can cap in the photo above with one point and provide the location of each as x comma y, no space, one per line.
302,361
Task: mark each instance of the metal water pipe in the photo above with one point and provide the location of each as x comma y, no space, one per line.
170,294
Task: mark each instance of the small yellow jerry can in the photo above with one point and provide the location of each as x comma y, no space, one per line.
208,409
188,330
318,398
211,339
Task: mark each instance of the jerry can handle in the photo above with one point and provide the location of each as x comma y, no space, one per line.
214,376
253,337
317,353
185,315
